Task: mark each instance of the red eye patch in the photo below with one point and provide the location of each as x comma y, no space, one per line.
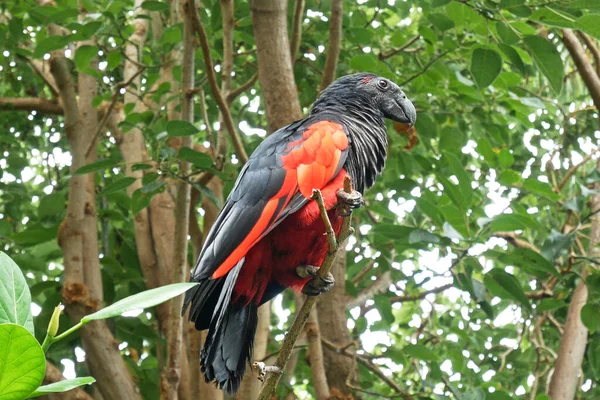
367,79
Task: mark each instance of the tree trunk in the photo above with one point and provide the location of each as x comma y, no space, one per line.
333,323
275,73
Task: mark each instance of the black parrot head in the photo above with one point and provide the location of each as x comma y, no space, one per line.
370,91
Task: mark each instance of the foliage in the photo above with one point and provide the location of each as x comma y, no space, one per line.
22,352
502,119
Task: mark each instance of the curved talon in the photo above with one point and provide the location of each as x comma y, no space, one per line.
348,202
307,271
318,285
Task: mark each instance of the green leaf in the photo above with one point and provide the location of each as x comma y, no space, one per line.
384,307
505,158
588,23
181,128
593,355
540,188
155,5
49,44
96,166
22,362
364,62
117,186
198,159
532,261
5,228
513,57
509,177
506,34
420,352
450,232
441,22
15,298
551,18
84,56
512,222
51,205
589,316
547,59
421,235
148,298
555,244
113,60
510,284
486,65
62,386
550,305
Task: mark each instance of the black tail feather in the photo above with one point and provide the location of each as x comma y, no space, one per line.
231,329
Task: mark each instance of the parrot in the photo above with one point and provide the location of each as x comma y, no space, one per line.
269,235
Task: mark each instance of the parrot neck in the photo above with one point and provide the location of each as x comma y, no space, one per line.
367,133
368,145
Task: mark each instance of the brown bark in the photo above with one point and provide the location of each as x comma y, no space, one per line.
275,73
333,323
171,376
585,68
38,104
593,48
250,385
335,43
565,380
296,38
315,356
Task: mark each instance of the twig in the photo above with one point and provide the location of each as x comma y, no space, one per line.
296,37
367,363
335,39
375,14
513,239
393,52
106,116
574,169
289,342
214,87
589,43
425,68
233,94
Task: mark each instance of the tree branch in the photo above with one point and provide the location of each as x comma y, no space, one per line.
589,76
589,43
170,378
214,87
298,326
379,285
296,38
39,104
382,56
513,239
233,94
335,41
425,68
315,356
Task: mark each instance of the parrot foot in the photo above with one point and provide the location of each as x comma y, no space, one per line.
317,284
348,202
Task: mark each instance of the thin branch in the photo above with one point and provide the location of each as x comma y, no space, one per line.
296,38
41,105
425,68
513,239
113,102
393,52
335,40
379,285
233,94
574,169
589,76
214,87
420,296
289,342
589,43
366,362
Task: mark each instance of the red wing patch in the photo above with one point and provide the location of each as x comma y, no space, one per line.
316,157
310,163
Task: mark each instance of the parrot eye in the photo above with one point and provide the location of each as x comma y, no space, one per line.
383,84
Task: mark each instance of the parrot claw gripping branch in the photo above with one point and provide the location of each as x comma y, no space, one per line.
269,234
